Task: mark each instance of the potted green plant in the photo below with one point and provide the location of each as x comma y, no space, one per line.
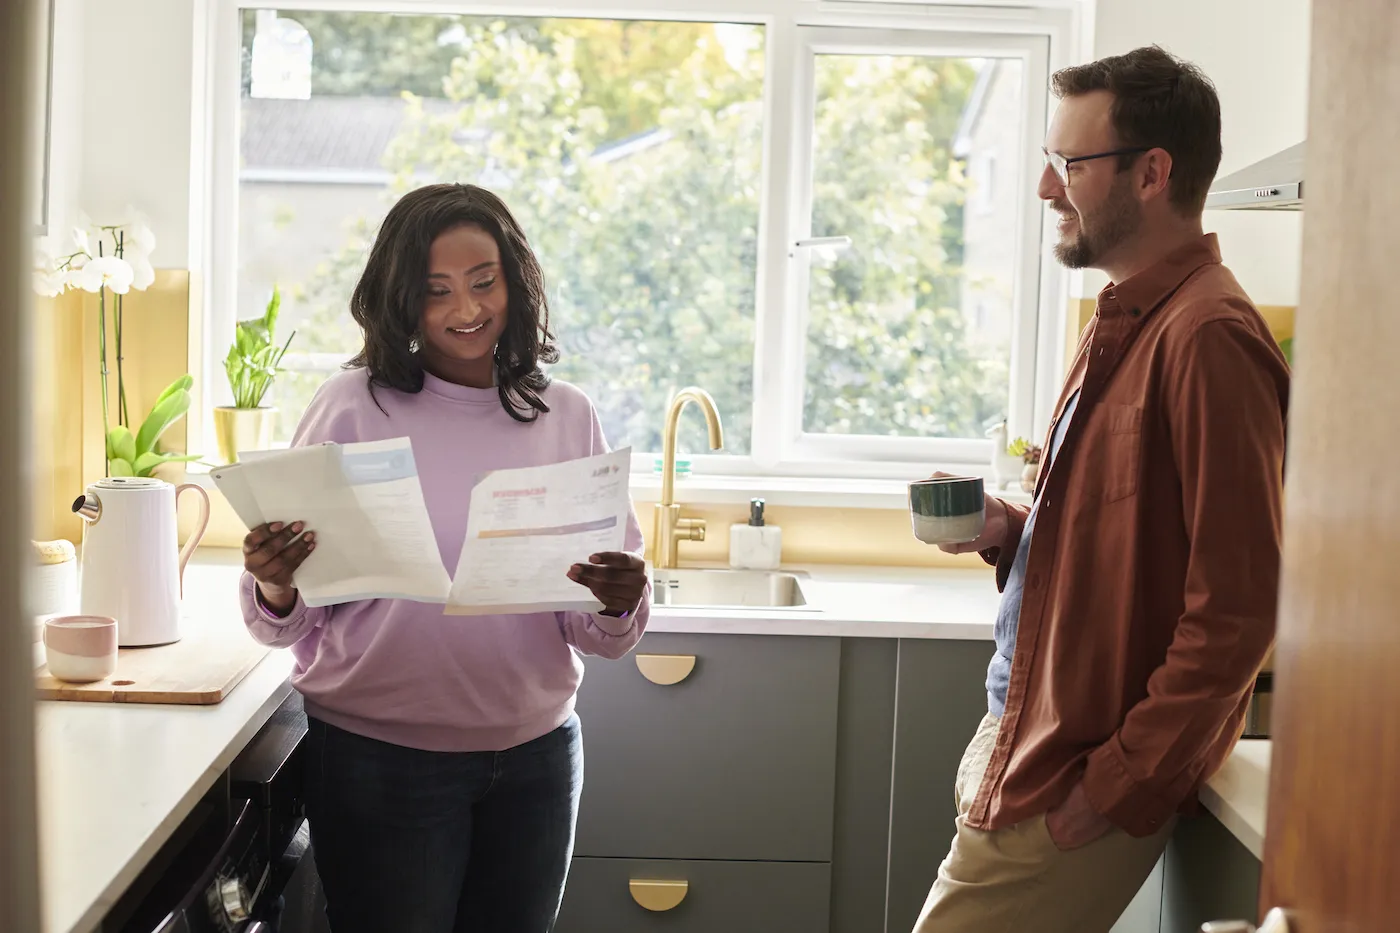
252,364
1030,456
131,454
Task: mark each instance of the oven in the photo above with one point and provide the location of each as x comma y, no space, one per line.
241,861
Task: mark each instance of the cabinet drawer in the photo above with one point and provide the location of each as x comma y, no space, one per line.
709,897
736,760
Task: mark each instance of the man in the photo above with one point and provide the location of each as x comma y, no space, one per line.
1139,591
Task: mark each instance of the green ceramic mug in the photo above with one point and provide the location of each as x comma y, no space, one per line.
948,509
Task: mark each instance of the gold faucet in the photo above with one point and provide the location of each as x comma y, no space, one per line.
670,528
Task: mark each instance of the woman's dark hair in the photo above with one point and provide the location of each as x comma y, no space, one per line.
388,300
1158,101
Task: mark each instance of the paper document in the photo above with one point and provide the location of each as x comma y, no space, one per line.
374,539
528,526
234,485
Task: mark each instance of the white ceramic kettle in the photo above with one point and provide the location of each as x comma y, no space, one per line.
132,565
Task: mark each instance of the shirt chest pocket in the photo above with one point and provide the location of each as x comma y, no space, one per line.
1122,453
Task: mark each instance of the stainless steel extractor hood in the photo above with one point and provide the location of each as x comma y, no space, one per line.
1272,184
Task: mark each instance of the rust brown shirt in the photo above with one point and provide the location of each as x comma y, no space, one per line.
1151,584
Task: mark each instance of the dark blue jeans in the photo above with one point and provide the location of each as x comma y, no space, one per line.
409,841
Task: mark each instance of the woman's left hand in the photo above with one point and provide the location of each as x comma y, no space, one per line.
617,578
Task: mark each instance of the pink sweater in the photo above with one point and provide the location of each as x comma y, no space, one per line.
403,672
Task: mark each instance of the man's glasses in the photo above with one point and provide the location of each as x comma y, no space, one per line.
1060,165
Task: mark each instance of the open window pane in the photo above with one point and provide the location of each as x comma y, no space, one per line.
916,159
630,151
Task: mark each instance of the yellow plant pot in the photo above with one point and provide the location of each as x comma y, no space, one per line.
238,429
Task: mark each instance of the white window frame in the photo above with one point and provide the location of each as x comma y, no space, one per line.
797,446
1046,34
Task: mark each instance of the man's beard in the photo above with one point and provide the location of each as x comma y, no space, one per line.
1112,222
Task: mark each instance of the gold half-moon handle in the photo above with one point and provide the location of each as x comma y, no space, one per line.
665,669
658,895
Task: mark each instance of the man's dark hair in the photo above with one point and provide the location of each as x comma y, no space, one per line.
1159,101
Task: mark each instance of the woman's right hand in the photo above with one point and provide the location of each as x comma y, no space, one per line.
271,556
993,532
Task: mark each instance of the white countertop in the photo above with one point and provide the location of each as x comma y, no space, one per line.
848,602
1238,794
860,602
115,780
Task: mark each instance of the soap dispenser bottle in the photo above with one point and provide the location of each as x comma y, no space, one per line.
757,545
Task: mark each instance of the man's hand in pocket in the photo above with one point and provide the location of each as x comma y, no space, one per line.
1075,822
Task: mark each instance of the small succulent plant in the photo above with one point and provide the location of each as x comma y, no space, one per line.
1028,452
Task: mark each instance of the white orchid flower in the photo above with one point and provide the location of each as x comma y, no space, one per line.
50,283
141,238
143,273
81,242
105,272
49,278
139,235
137,243
84,230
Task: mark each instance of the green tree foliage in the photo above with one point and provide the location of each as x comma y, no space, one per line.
631,154
885,332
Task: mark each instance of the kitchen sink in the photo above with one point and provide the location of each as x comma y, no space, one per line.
728,589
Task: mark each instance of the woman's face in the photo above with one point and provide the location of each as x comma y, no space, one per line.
465,308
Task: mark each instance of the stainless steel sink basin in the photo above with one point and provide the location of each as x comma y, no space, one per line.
728,589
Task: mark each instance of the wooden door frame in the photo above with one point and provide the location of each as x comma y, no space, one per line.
19,851
1334,799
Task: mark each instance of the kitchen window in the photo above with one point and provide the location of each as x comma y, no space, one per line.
800,219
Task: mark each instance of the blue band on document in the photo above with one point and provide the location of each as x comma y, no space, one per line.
378,467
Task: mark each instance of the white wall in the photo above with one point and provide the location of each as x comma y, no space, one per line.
122,116
1256,52
66,116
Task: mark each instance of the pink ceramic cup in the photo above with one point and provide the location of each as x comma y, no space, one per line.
81,649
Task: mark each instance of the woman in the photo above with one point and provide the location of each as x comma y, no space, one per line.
444,761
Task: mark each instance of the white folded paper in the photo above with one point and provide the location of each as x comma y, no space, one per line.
528,526
374,539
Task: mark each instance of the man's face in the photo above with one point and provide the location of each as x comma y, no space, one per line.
1098,209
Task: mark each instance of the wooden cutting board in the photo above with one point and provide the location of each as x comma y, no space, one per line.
198,670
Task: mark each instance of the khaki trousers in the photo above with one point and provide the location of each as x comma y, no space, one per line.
1016,880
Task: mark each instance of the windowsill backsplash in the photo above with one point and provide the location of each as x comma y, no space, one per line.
846,522
776,491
